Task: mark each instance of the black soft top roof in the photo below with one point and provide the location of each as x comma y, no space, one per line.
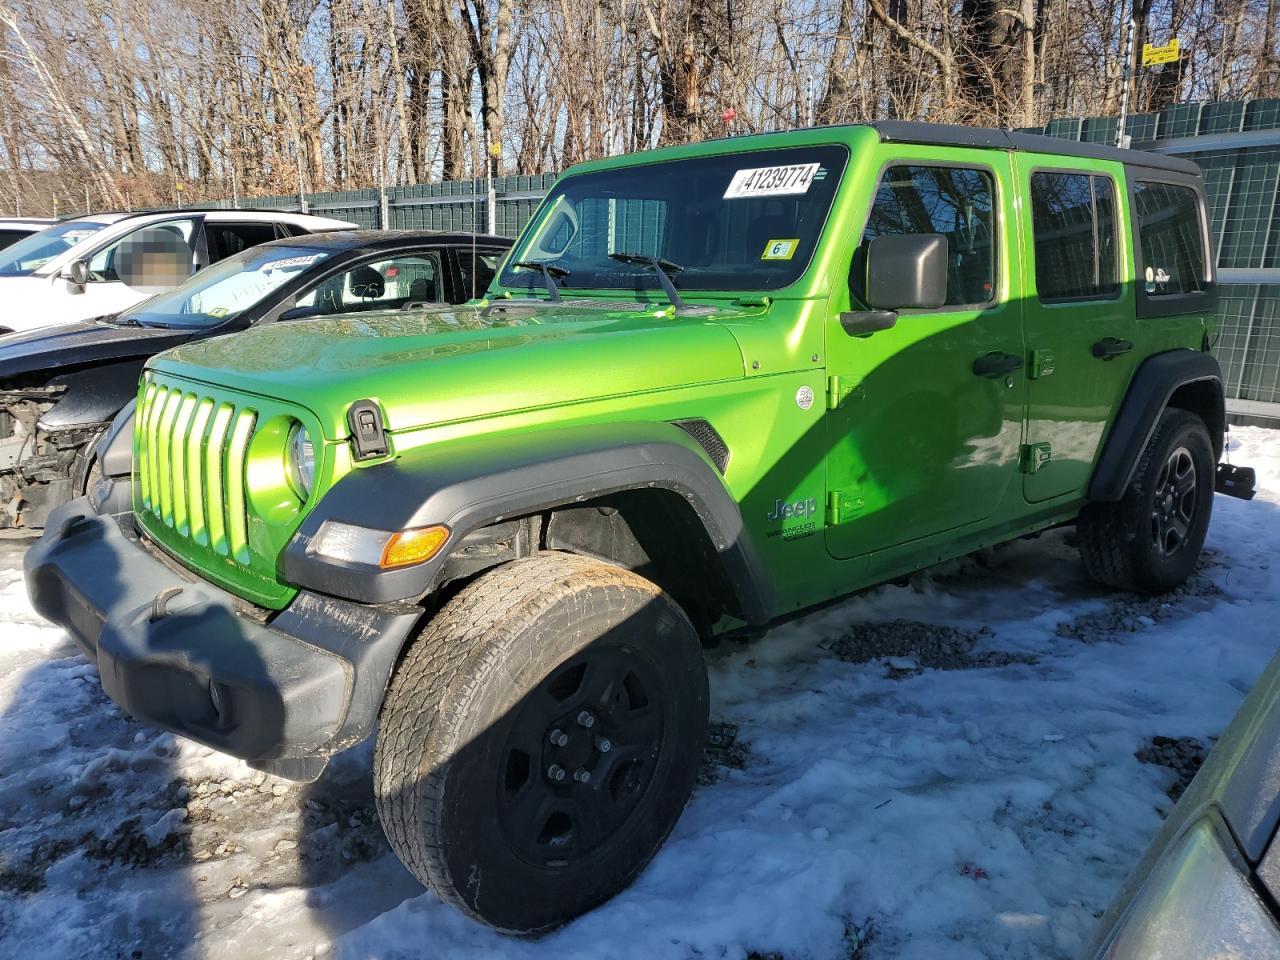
955,135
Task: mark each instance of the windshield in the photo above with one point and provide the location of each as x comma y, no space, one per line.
226,289
29,255
742,221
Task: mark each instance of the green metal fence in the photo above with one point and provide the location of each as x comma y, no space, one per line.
452,205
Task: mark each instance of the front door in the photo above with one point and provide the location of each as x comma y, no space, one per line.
925,418
1079,318
107,292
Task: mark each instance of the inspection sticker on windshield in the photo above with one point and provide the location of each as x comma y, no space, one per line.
771,181
780,249
290,262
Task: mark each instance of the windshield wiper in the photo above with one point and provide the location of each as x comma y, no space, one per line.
663,268
549,273
119,320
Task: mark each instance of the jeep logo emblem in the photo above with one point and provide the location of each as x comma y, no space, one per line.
804,507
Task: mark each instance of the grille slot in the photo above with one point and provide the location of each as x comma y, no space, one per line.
190,466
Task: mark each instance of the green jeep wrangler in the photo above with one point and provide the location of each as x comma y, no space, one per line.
712,387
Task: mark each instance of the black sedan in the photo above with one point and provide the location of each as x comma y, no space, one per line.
61,386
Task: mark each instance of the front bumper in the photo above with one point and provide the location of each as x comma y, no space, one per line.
184,655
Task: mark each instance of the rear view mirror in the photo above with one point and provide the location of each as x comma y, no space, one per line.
907,271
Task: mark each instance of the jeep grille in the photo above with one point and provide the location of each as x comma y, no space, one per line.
190,466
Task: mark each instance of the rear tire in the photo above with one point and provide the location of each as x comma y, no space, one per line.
540,739
1150,539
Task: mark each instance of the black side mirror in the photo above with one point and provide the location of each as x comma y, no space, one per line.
907,271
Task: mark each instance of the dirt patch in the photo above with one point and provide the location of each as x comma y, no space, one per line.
856,941
722,752
1129,613
912,644
1183,755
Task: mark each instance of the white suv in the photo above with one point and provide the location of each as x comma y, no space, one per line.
75,269
13,229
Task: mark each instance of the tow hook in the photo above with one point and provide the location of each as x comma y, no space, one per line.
160,602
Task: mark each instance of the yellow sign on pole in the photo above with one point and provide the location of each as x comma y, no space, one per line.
1153,55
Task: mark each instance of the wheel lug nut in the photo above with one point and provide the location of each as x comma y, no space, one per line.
586,719
582,775
555,772
603,745
558,737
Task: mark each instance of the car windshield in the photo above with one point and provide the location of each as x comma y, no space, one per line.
29,255
741,221
223,291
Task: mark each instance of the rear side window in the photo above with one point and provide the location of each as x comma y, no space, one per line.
956,202
224,239
1171,254
1073,226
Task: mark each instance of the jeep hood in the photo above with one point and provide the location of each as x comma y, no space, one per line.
434,366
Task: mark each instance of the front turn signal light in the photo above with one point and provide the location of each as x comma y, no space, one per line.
413,546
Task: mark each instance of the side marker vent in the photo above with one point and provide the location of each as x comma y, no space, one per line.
707,438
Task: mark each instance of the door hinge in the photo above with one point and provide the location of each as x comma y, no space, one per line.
838,391
1041,364
1034,456
843,506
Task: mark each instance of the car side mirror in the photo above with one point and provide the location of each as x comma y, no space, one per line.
77,272
906,271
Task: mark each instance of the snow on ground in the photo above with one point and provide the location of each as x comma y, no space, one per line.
942,768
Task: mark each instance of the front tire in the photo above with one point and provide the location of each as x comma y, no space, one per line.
1149,540
540,739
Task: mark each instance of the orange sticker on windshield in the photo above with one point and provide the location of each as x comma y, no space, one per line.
780,249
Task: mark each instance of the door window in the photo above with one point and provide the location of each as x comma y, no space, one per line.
225,239
104,265
477,270
9,237
1171,254
378,285
957,202
1073,227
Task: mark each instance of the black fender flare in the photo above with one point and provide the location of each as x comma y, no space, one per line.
1153,385
475,481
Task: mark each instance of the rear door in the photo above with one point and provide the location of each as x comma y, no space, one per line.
920,441
1078,316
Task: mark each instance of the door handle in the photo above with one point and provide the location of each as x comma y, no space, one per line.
1109,347
996,364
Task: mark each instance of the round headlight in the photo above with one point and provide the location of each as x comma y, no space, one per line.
302,461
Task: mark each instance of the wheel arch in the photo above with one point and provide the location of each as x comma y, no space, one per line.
593,489
1186,379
